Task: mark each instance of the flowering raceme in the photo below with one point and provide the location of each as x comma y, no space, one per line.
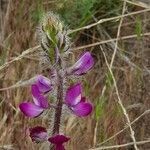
54,43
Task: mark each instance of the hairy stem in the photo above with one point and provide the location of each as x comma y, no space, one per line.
58,111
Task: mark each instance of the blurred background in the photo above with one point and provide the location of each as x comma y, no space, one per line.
117,32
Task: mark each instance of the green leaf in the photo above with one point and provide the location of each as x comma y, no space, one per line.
51,33
100,106
38,13
51,52
138,28
109,80
86,87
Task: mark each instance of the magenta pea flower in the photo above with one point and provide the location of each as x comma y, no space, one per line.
84,64
34,109
58,141
38,134
76,102
44,84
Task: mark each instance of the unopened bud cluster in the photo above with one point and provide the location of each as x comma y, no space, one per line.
53,39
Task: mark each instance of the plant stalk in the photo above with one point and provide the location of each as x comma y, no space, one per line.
59,103
58,111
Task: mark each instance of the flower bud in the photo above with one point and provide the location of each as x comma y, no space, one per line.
54,38
38,134
58,141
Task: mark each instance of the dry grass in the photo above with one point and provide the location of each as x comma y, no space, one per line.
119,84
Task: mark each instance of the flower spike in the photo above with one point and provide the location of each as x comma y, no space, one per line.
55,44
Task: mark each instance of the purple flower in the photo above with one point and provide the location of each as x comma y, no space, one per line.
38,134
84,64
76,102
44,84
58,141
34,109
